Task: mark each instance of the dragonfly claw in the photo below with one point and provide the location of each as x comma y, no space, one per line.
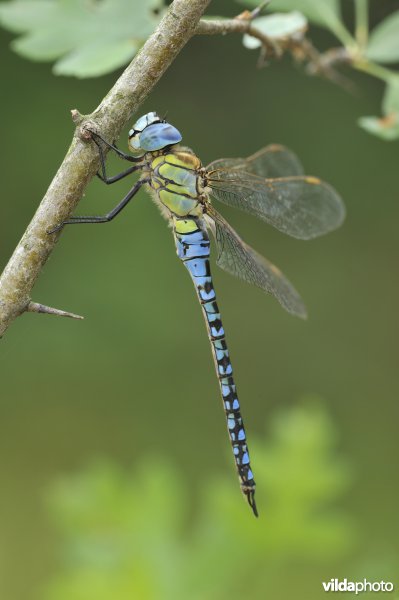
55,229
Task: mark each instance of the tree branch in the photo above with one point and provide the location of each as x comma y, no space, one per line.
241,24
300,47
81,162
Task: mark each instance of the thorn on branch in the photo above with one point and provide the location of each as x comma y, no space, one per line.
248,15
42,308
257,11
77,118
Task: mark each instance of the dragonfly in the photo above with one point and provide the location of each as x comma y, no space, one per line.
269,185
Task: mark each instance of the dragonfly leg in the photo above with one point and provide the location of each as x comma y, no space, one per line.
121,154
103,175
104,218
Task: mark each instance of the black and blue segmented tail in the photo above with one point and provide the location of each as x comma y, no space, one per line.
193,248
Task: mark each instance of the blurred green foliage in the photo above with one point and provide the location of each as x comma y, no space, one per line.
124,534
326,13
365,50
387,127
383,46
86,39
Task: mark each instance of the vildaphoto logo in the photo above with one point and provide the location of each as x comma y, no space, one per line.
335,585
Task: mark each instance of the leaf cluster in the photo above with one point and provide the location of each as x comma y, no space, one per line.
367,51
128,535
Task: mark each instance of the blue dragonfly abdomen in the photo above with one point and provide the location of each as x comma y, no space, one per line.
193,248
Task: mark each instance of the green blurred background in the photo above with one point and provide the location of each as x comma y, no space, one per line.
135,379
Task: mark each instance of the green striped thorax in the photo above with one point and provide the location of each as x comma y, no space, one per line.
174,173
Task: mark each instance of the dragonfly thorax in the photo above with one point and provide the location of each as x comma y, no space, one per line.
176,182
151,133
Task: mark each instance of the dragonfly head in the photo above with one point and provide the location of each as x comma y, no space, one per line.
151,133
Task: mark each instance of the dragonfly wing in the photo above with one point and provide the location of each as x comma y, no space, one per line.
271,161
301,206
239,259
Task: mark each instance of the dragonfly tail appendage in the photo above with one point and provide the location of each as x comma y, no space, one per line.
193,248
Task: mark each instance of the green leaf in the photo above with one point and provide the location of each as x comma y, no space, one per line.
277,26
390,103
326,13
384,128
318,11
387,126
321,12
384,40
22,16
89,37
94,60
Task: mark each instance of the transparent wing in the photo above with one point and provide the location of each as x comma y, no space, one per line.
271,161
239,259
300,206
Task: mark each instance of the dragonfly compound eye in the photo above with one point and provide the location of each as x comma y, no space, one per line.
148,119
134,140
154,137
